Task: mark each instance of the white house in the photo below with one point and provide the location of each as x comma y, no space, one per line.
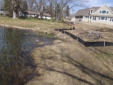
37,15
102,14
3,12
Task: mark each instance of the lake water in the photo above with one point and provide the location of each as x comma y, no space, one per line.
16,63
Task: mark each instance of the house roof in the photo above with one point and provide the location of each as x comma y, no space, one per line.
46,14
38,13
85,12
33,13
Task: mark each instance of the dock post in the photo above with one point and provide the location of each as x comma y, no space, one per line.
64,33
104,43
78,37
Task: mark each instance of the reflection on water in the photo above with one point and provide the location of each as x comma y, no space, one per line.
16,64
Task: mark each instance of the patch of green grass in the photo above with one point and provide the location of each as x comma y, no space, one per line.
48,35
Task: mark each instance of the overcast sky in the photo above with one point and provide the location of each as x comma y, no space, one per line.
1,3
92,3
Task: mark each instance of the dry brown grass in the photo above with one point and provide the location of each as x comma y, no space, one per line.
92,26
89,32
34,24
66,62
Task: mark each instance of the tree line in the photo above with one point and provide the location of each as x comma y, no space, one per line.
57,9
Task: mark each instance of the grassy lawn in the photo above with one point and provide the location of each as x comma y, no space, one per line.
65,61
47,25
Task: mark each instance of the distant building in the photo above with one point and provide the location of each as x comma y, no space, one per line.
102,14
46,16
32,14
72,19
35,15
2,12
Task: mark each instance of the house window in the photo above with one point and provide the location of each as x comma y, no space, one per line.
90,17
111,19
94,18
104,12
87,16
91,11
103,18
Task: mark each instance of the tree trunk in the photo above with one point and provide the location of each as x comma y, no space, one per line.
14,14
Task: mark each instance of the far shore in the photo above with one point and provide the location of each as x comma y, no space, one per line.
31,24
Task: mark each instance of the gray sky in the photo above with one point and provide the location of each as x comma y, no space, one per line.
1,4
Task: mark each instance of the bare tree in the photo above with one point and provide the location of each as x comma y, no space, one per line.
51,7
15,7
31,4
56,8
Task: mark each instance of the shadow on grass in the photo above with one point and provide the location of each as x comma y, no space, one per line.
99,78
70,75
